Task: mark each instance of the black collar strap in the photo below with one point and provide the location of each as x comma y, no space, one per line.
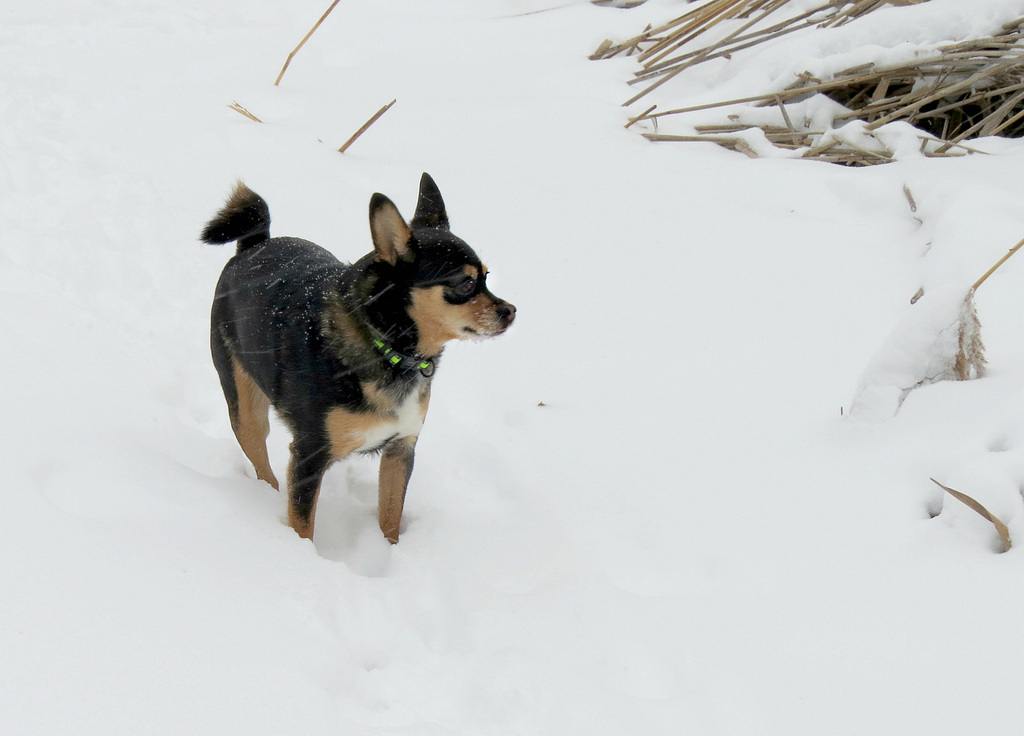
403,362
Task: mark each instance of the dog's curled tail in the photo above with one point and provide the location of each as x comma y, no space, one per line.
245,218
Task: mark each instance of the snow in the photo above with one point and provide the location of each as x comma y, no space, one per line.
920,349
642,510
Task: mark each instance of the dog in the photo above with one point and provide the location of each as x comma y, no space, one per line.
345,353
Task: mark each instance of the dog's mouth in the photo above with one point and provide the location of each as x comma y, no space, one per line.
471,333
490,325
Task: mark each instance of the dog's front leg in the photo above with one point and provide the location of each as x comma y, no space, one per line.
310,459
395,470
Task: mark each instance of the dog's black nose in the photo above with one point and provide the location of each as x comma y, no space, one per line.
506,313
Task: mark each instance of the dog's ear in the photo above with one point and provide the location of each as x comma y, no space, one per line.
389,232
430,210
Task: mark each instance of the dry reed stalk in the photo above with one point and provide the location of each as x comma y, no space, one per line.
662,40
863,7
993,124
599,53
641,116
242,111
911,202
699,18
690,20
998,263
787,94
303,42
834,150
916,105
1001,529
969,361
741,42
697,58
367,124
717,13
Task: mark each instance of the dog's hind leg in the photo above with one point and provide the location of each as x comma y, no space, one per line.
248,408
250,420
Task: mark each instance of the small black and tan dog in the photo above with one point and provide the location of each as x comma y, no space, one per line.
344,353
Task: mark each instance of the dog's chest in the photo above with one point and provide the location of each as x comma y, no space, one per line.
365,431
405,420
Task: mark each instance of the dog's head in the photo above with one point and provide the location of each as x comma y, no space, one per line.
447,295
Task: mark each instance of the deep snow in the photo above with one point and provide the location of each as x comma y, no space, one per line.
640,511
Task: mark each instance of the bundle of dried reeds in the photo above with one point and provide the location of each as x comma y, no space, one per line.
656,46
963,91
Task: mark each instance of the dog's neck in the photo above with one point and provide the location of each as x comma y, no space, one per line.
378,319
399,360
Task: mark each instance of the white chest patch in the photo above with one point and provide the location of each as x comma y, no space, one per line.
406,422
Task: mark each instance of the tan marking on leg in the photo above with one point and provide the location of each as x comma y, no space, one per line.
302,528
251,425
347,432
395,470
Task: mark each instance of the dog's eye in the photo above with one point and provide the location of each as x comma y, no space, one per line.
465,287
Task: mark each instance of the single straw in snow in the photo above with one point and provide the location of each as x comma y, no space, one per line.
302,43
367,124
1004,533
998,263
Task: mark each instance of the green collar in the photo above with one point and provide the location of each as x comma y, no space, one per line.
404,362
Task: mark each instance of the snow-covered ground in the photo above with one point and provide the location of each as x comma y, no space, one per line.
641,511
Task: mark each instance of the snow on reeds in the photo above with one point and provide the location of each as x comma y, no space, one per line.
959,91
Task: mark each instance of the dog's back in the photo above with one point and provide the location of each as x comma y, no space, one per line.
268,307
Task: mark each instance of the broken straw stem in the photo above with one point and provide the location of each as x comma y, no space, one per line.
999,263
366,125
242,111
312,30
